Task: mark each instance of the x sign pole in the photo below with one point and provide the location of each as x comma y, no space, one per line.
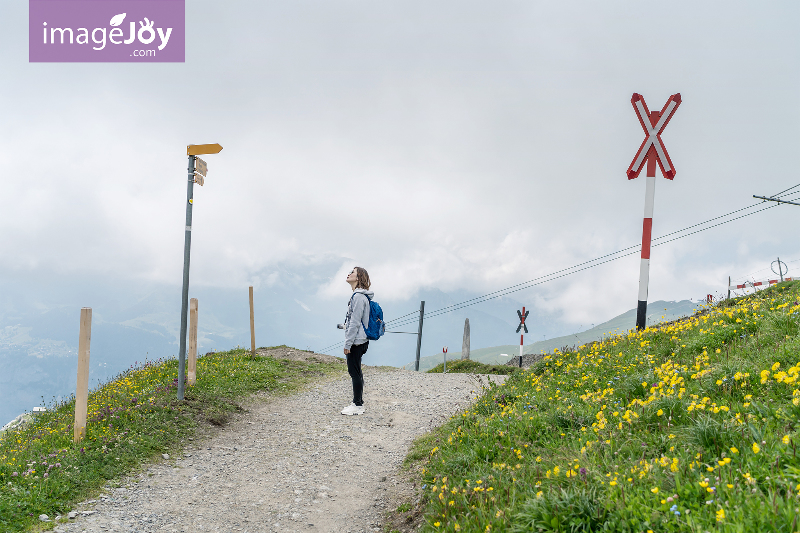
522,316
651,150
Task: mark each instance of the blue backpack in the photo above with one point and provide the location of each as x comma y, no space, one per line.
376,327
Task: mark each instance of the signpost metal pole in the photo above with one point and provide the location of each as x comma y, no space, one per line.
652,150
419,333
444,359
195,174
187,246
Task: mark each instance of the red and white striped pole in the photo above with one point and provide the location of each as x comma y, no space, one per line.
652,150
647,233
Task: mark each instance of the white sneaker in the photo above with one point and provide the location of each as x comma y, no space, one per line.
353,409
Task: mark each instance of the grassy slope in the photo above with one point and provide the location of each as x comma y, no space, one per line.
658,311
131,420
688,427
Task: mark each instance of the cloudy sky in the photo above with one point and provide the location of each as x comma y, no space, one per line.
453,145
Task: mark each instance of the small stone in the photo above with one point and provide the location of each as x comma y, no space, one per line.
44,518
383,478
165,455
72,515
88,513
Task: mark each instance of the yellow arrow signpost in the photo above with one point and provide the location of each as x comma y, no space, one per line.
202,149
197,173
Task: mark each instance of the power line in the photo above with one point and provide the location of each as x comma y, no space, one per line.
408,314
590,264
585,266
635,247
789,189
519,288
331,347
712,226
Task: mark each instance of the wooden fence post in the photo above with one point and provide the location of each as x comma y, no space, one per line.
82,387
192,370
252,326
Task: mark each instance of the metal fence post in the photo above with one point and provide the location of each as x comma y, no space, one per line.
252,326
419,332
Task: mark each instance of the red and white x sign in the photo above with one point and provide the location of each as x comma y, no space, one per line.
653,125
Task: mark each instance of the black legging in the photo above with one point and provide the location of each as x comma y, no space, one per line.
354,369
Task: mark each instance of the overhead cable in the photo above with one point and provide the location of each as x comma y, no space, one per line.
607,258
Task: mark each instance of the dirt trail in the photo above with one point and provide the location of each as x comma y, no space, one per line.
289,463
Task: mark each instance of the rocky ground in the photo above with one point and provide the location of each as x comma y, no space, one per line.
290,463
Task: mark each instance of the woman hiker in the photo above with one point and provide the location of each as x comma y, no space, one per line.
355,339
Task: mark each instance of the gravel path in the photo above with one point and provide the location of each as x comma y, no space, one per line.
289,463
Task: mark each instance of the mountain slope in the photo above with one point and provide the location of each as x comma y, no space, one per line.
657,311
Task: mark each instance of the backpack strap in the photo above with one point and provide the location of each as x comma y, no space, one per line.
350,306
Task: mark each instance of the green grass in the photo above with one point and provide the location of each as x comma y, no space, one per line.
132,419
472,367
691,426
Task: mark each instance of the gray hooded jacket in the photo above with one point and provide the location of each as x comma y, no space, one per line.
357,318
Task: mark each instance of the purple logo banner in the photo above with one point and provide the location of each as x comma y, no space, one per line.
116,31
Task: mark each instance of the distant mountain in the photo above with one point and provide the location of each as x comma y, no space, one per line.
137,321
658,311
134,321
